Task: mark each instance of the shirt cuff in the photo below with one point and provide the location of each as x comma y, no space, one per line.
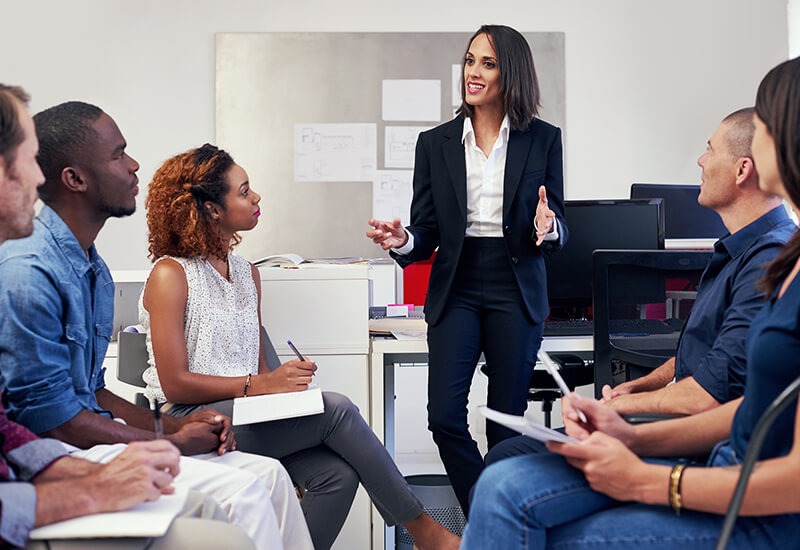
18,513
33,457
406,248
553,235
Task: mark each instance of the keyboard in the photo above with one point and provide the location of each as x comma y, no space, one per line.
628,327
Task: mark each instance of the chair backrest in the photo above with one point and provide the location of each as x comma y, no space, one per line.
273,362
132,358
644,291
786,398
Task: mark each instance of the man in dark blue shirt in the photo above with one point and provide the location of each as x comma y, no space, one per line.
709,365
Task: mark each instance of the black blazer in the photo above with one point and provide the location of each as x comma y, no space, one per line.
439,208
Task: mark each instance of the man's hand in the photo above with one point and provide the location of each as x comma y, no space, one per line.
198,437
545,218
387,234
610,393
600,418
294,375
141,473
215,418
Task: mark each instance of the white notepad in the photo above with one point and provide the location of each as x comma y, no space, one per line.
525,426
149,519
276,406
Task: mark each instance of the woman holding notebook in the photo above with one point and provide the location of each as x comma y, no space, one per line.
200,307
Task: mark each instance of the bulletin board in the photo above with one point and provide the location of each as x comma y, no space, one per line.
267,84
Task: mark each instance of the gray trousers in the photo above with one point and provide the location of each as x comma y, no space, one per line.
327,455
201,525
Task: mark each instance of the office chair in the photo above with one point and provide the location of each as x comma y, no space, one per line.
624,284
132,360
772,412
542,388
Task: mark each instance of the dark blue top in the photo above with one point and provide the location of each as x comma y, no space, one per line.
712,346
773,353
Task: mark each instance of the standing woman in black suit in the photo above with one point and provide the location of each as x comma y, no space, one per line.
488,192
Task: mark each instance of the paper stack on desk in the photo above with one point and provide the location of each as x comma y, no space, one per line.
277,406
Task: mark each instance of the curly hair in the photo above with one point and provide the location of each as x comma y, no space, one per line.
178,222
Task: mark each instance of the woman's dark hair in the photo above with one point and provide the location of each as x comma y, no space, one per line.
778,107
519,85
178,221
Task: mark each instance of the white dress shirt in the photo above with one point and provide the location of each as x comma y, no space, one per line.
485,176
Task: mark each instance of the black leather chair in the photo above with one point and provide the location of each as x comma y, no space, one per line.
574,370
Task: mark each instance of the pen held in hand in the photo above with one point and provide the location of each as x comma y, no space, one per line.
159,428
552,369
297,352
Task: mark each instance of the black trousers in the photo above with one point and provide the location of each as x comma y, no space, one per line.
484,313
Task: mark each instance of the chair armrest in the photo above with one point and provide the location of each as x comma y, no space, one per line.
645,418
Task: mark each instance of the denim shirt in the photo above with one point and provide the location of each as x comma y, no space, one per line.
712,346
58,308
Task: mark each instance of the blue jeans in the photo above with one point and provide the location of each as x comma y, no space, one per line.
540,501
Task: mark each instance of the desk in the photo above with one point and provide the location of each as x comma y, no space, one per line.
385,353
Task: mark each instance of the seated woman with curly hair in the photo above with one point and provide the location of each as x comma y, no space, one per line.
200,307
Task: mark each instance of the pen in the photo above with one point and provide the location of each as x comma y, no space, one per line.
157,416
551,367
294,349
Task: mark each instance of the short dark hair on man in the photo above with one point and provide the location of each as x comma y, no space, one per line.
11,134
62,130
740,134
519,85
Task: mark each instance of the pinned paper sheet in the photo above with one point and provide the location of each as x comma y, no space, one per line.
412,100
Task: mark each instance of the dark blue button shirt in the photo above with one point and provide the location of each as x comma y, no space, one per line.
712,346
58,314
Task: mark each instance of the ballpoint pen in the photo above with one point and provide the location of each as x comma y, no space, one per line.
552,368
296,352
157,416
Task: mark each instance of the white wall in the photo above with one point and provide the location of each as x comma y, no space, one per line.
647,81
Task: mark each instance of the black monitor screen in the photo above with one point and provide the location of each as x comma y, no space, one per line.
684,218
595,224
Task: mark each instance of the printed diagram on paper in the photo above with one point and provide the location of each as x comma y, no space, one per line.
335,152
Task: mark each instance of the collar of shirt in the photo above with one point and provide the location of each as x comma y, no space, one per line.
739,242
485,177
68,243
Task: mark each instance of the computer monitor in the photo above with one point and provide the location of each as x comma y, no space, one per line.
684,218
595,224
